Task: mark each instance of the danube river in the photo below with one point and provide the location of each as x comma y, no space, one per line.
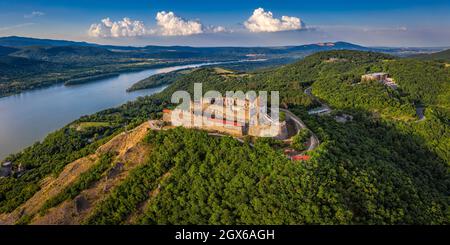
28,117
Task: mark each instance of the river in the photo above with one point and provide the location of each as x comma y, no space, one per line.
28,117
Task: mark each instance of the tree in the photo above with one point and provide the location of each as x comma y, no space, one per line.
300,139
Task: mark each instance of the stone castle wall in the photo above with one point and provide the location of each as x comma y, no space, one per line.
278,131
240,127
189,120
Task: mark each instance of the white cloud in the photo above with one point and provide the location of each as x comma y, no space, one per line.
121,28
171,25
262,21
34,14
167,24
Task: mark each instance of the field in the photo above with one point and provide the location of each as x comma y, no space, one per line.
86,125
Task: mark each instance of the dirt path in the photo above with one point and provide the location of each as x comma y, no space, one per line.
50,186
130,152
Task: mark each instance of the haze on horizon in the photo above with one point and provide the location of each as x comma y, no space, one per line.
231,23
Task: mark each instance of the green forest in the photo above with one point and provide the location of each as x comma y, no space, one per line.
385,166
207,180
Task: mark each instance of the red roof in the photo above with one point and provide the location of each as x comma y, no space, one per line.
167,111
300,158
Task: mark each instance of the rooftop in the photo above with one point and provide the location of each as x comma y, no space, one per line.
377,74
6,164
300,158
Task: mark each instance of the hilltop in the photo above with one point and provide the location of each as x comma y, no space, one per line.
15,41
381,165
438,56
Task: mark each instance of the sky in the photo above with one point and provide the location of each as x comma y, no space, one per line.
395,23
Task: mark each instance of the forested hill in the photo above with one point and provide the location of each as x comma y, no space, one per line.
438,56
50,62
7,50
384,166
57,61
15,41
70,54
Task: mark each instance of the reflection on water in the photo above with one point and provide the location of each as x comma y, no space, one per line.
28,117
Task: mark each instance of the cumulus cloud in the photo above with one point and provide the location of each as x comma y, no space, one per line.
263,21
121,28
167,24
34,14
171,25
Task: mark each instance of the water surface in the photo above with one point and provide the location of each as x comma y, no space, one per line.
28,117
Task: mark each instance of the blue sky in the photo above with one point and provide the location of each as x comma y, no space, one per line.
232,22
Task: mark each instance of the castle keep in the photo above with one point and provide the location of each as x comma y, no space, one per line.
234,116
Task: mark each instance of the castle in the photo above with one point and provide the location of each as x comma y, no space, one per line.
230,115
381,77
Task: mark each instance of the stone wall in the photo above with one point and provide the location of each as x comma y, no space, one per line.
237,128
188,120
278,131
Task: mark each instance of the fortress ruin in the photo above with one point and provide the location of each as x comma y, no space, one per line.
230,115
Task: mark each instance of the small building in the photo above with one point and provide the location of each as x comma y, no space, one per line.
378,76
381,77
319,110
333,60
300,158
343,118
288,151
6,169
6,164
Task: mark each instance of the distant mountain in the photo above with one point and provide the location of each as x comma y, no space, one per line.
443,55
187,52
7,50
15,41
16,66
169,52
66,54
328,46
32,59
407,51
293,52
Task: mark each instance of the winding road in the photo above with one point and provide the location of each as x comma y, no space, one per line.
309,93
314,141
